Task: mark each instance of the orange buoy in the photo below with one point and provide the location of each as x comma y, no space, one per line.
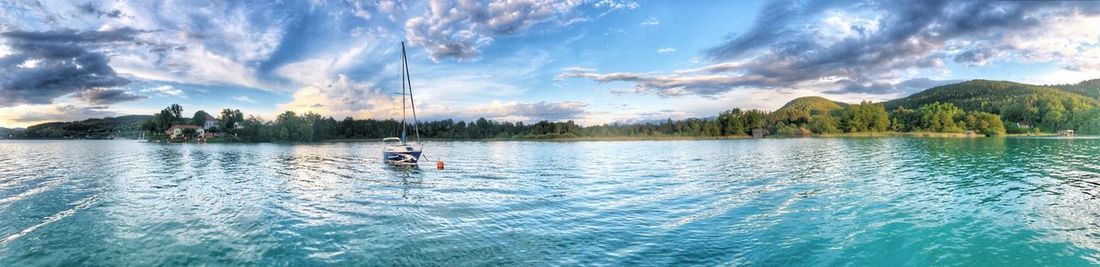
439,165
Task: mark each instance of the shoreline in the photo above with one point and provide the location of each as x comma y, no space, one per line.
734,137
625,138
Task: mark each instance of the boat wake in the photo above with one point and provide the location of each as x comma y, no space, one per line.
81,205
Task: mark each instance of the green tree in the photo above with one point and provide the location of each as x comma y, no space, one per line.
1053,114
230,118
176,112
824,124
199,119
985,123
731,122
938,117
755,119
864,117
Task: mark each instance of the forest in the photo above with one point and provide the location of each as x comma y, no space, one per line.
128,126
979,106
865,117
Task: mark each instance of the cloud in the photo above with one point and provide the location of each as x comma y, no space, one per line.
26,115
651,21
102,96
167,90
902,88
706,85
46,65
666,50
343,97
245,99
616,5
91,8
872,47
517,111
207,43
882,38
457,29
975,57
772,23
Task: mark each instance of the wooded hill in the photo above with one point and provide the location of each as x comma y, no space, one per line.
813,104
1050,108
128,126
1090,88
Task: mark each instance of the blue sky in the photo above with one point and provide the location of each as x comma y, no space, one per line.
524,60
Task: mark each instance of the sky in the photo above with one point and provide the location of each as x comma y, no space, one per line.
591,61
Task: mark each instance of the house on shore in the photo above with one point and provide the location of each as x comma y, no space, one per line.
209,122
1066,133
176,131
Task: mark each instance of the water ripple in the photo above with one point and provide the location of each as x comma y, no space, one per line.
857,201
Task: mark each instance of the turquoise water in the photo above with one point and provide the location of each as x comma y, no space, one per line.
872,201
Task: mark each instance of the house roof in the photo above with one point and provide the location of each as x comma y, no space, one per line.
210,118
183,126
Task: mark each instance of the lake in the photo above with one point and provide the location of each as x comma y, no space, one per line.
858,201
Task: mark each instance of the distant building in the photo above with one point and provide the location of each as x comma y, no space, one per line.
1066,132
210,122
176,131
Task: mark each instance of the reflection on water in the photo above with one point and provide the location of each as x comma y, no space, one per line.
928,201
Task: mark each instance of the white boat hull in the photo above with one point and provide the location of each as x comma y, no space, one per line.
402,154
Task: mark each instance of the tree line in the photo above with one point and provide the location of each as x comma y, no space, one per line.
865,117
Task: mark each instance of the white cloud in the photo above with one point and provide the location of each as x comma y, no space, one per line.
245,99
666,50
342,97
458,30
204,43
528,112
613,4
325,67
166,90
651,21
1073,40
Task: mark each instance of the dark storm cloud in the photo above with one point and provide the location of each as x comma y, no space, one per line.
107,96
47,65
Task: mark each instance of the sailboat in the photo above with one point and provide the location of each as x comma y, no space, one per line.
398,150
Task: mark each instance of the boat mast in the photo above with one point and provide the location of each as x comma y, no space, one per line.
403,68
412,104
